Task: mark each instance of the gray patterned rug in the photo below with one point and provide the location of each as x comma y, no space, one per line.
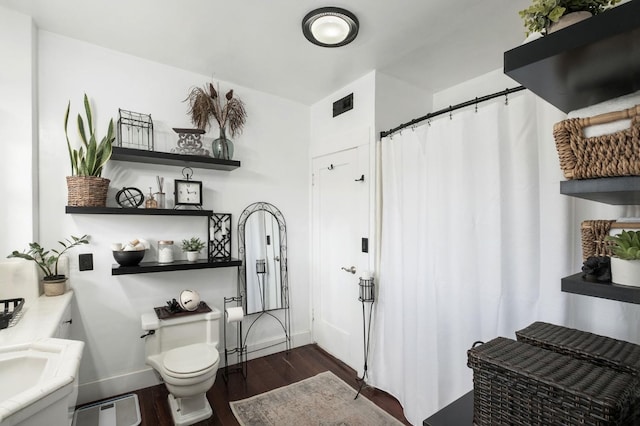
323,399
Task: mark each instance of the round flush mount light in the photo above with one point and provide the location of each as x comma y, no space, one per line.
330,26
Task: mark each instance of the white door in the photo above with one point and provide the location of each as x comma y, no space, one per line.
340,222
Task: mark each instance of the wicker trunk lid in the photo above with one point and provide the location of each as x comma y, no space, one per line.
519,384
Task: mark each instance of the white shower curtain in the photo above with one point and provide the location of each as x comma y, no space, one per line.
463,217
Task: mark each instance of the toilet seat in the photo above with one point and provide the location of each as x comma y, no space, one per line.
189,361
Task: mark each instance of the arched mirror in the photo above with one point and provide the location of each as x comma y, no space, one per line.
262,247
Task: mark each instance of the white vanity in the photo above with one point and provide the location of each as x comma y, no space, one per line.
38,365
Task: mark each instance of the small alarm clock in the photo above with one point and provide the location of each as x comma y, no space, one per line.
187,192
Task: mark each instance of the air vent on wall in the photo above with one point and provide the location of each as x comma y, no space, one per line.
343,105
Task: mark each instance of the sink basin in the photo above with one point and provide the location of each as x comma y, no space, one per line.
38,380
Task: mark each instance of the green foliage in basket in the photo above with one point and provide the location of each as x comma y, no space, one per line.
193,244
542,13
47,260
89,159
626,245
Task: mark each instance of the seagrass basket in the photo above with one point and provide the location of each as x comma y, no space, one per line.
87,191
594,233
516,383
615,154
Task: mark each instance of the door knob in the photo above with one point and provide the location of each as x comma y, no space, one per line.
352,269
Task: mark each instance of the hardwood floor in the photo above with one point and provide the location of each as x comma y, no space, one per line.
263,374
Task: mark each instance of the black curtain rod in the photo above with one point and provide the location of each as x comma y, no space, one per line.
451,108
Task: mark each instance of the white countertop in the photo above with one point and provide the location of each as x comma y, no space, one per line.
40,319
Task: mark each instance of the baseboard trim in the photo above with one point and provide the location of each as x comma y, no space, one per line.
118,385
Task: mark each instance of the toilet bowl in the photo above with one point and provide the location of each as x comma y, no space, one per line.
184,352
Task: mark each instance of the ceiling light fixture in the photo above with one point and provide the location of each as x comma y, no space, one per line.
330,26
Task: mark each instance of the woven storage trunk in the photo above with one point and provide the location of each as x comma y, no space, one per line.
87,191
615,154
519,384
601,350
593,234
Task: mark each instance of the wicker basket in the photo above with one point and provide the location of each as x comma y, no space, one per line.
87,191
616,154
519,384
601,350
593,234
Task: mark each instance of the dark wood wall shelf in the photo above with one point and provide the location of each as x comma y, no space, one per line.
623,293
136,212
170,159
623,190
587,63
179,265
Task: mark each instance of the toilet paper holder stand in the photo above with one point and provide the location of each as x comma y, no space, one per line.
240,350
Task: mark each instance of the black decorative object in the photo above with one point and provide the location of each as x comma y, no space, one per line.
173,306
189,142
597,268
219,237
188,192
135,130
129,197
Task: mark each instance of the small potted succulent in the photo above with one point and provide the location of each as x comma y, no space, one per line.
543,16
625,259
192,247
47,261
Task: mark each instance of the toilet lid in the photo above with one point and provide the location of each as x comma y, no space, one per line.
191,358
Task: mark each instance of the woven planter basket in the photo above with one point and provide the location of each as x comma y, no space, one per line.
615,154
593,234
87,191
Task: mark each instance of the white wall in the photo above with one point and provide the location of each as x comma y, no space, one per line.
18,162
352,128
398,102
274,153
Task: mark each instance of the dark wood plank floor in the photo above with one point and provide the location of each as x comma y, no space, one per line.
263,374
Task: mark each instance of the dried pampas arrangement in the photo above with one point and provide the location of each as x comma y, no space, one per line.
205,103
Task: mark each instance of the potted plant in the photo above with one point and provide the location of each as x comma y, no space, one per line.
205,103
85,186
625,259
47,261
192,247
543,15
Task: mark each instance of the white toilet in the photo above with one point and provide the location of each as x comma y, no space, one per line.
184,351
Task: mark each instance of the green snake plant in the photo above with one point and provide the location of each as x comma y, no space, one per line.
90,158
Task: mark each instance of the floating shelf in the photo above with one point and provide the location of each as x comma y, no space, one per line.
170,159
179,265
587,63
136,212
616,190
623,293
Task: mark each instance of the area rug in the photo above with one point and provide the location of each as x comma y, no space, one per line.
323,399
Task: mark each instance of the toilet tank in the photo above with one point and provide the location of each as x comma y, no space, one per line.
181,331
